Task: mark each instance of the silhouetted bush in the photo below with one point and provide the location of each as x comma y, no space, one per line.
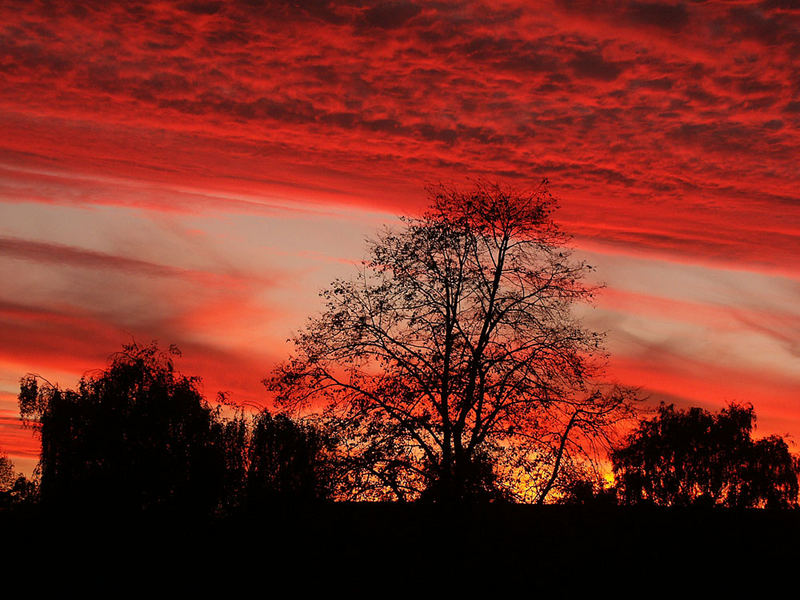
479,485
231,438
584,492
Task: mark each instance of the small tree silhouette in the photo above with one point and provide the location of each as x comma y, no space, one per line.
690,457
231,441
7,473
287,463
137,435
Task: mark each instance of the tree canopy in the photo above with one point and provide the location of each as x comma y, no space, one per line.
139,435
287,462
692,456
136,435
452,366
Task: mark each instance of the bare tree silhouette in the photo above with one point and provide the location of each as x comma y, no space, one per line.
452,366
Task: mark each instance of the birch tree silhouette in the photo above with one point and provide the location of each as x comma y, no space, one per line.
690,457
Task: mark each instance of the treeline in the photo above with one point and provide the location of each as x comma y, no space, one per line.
139,436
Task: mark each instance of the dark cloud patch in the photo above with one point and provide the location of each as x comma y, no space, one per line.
769,30
592,65
662,84
750,85
788,5
699,94
168,35
589,7
726,138
383,125
673,17
250,13
228,35
391,15
168,83
345,120
284,110
431,132
325,74
322,10
78,257
758,104
16,55
105,77
509,54
92,260
201,7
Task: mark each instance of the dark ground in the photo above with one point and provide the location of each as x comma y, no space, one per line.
365,538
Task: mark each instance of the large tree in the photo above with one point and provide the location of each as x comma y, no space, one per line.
452,366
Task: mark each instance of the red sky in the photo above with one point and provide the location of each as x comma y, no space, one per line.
194,172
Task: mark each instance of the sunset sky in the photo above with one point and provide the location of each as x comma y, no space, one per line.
194,172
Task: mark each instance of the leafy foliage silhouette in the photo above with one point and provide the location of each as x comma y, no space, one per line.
140,436
693,457
7,473
287,463
15,488
135,436
452,367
